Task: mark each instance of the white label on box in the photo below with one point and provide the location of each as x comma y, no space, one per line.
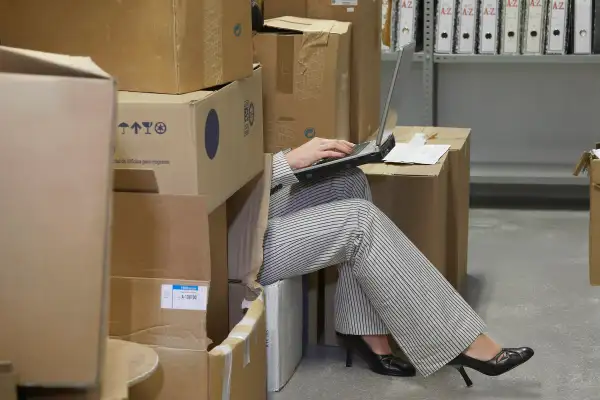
183,297
344,3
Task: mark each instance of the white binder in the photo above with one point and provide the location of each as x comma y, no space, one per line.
444,28
557,33
407,22
489,19
535,26
582,27
465,29
510,31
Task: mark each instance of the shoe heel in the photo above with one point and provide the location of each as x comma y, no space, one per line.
464,375
348,357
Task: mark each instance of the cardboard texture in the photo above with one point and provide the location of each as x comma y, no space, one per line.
206,142
458,194
306,80
8,382
217,317
156,46
280,8
55,222
176,228
365,69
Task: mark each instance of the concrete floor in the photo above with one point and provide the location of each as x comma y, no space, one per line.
529,281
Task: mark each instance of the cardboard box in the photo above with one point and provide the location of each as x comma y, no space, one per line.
415,198
305,91
590,163
306,80
55,212
159,297
365,80
157,46
217,326
206,142
459,158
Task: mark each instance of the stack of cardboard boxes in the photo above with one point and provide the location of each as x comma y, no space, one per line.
187,136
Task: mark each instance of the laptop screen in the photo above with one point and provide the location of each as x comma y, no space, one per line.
401,72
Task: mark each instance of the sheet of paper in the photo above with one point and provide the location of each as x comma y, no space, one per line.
416,153
596,152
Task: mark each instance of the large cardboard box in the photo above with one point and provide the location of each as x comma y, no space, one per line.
158,46
365,80
160,297
459,159
306,80
55,212
206,142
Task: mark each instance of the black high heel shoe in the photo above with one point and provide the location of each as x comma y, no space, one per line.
504,361
388,364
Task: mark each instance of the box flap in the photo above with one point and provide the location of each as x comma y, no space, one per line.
15,60
248,212
135,180
595,173
307,25
158,98
584,163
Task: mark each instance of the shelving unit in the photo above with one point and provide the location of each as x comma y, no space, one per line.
531,115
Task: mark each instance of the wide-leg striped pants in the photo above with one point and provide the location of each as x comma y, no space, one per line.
386,284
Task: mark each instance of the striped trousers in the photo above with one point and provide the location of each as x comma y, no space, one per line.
386,285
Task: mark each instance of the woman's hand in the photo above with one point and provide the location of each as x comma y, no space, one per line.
317,149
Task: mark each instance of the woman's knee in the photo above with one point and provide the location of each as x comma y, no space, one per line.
353,183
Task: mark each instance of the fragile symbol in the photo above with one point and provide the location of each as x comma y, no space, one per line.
147,125
237,29
160,128
309,133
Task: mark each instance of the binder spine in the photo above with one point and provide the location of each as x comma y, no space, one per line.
407,22
511,26
582,27
535,25
394,24
489,17
557,33
445,26
466,32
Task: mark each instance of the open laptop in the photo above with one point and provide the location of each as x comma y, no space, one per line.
374,150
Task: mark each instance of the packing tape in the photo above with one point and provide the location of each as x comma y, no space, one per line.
244,338
228,356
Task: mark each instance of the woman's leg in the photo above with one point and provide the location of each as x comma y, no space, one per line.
354,313
425,315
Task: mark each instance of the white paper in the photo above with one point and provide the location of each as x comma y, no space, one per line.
596,152
184,297
408,153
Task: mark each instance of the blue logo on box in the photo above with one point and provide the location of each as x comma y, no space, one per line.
211,134
309,133
237,29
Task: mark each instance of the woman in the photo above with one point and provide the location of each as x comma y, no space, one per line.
386,285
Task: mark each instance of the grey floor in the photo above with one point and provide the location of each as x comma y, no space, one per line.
528,277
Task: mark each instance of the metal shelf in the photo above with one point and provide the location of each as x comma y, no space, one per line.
532,174
526,59
393,56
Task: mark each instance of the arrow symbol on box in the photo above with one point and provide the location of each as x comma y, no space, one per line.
136,127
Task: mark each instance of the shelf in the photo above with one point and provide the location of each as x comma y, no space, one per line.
385,56
526,59
536,174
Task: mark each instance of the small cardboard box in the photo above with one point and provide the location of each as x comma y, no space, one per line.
57,116
207,142
159,297
415,198
306,80
156,46
458,194
589,162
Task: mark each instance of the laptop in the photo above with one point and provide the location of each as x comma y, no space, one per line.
372,151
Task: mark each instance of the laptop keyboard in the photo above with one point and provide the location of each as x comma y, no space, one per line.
357,149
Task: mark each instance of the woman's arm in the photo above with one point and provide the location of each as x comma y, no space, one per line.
282,172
